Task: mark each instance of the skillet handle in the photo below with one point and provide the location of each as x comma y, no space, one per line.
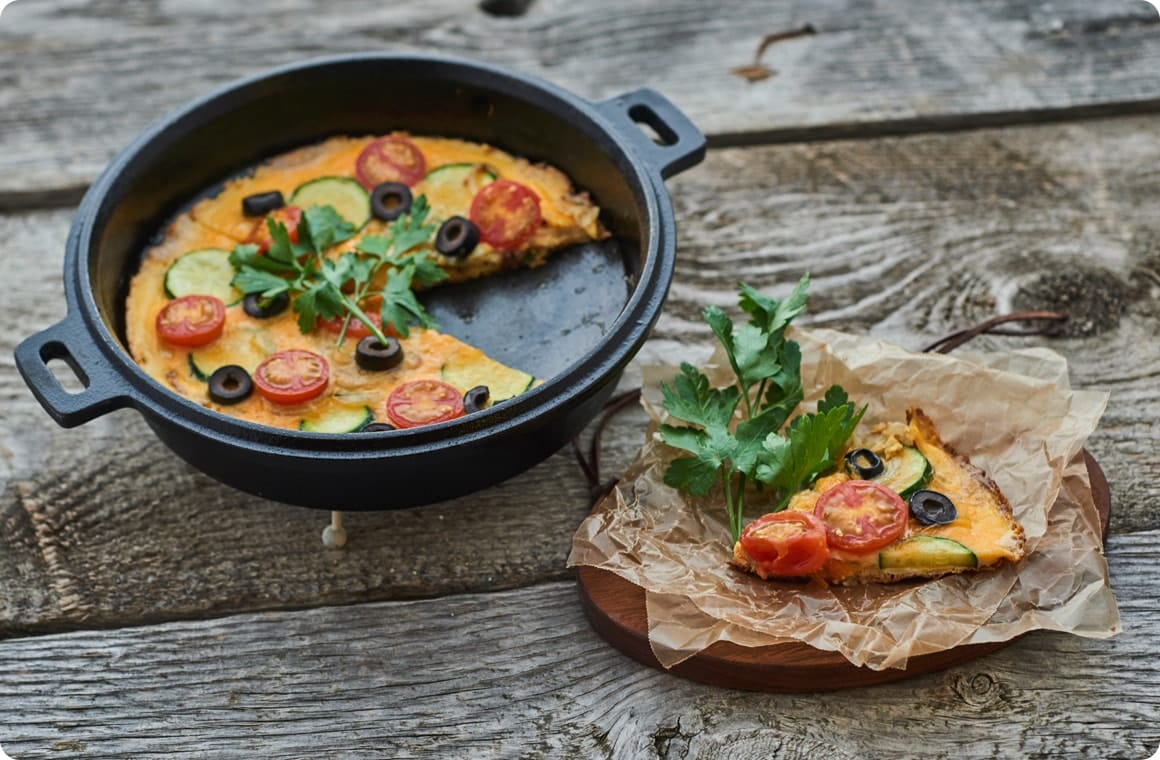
682,144
104,389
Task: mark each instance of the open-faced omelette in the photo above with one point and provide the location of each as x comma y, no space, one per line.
287,298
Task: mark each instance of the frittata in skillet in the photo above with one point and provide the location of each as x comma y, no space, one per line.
287,298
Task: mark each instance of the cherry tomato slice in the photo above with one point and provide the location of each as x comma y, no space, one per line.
861,516
292,376
788,543
506,213
192,320
356,329
287,215
423,402
390,159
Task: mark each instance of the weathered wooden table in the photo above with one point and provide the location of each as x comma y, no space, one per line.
931,164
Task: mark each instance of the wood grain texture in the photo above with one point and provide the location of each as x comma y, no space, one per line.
82,77
519,673
102,526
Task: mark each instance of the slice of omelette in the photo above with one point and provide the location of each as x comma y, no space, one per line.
914,463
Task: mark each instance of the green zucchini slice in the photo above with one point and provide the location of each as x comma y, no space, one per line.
343,194
343,419
206,271
905,472
467,370
451,188
926,552
245,346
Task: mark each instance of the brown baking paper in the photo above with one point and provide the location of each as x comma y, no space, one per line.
1013,414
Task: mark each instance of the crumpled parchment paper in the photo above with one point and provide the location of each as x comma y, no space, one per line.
1013,414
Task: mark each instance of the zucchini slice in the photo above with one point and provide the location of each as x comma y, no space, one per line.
467,369
341,419
343,194
243,346
905,472
206,271
451,188
926,552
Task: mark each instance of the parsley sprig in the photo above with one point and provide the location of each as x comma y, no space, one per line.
333,287
768,388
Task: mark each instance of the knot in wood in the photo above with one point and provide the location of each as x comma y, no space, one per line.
978,690
1094,300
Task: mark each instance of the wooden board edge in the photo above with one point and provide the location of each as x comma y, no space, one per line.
615,608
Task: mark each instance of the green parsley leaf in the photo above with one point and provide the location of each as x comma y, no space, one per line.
692,474
410,230
810,447
323,227
691,399
400,307
250,280
770,315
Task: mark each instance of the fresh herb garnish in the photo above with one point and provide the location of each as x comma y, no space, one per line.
329,288
767,368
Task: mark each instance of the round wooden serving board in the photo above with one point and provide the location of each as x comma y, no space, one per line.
616,609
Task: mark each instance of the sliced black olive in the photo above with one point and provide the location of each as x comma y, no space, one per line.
932,508
230,385
864,464
264,308
376,427
457,237
390,200
261,204
475,400
374,356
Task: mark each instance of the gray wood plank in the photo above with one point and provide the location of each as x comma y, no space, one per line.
103,526
520,674
84,76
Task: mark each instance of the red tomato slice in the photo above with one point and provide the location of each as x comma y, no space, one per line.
390,159
861,516
423,402
787,543
292,376
192,320
506,213
356,329
287,215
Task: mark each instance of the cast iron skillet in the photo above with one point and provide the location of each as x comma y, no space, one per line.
576,322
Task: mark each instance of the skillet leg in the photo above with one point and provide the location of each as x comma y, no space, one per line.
334,535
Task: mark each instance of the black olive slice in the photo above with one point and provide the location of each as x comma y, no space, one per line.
376,427
261,204
932,508
457,237
864,464
230,385
390,200
264,308
374,356
476,399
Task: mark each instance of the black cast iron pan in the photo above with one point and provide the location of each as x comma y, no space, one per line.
576,322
